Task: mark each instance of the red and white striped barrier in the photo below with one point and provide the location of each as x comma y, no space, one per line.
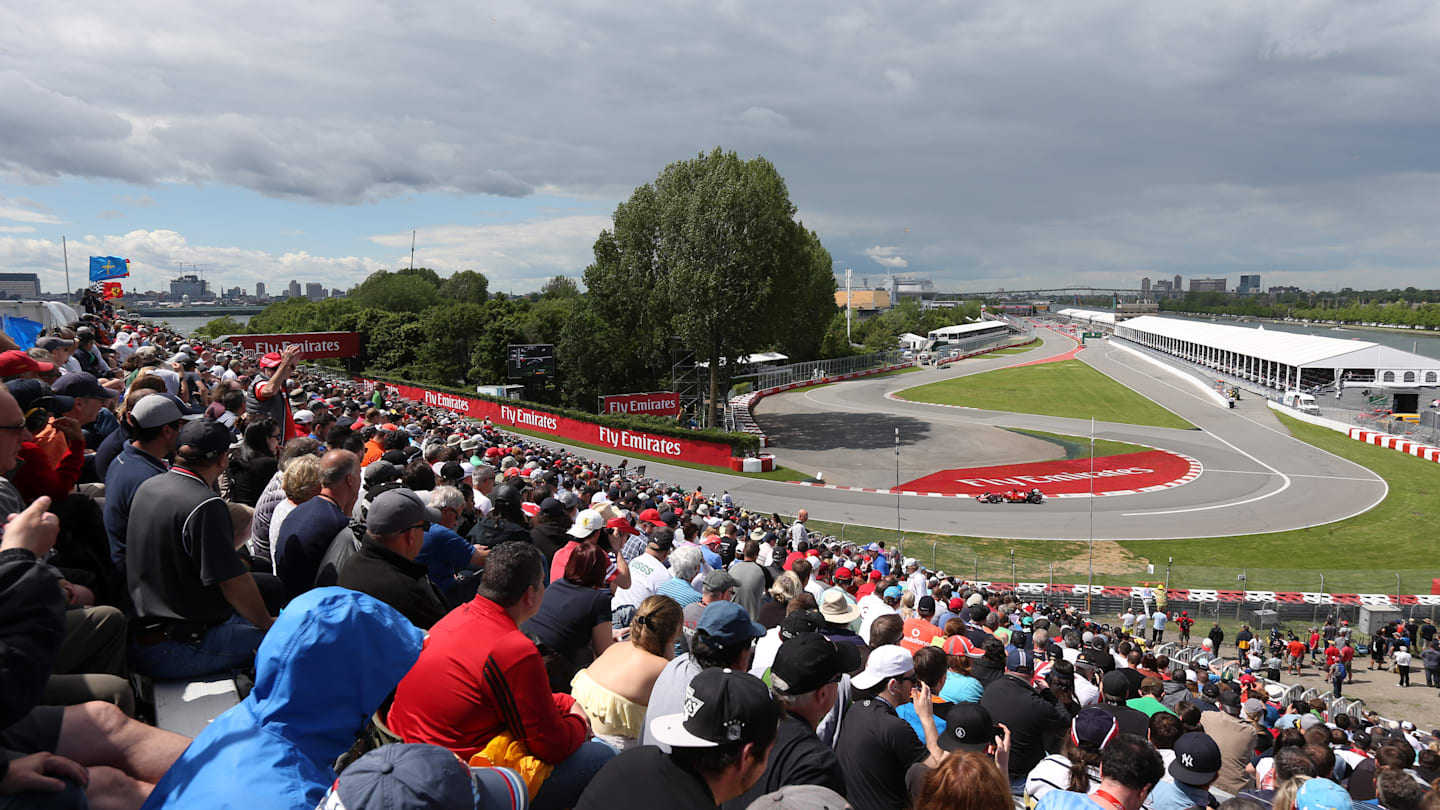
1399,443
1207,595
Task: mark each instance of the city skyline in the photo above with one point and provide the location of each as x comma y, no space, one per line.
983,146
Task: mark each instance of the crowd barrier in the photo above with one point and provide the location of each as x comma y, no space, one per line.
1217,595
539,420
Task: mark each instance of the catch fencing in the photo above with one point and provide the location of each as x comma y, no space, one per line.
776,376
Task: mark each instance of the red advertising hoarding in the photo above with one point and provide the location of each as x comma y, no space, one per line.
698,451
313,345
659,403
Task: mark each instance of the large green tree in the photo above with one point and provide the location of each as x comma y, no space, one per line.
711,254
466,286
402,291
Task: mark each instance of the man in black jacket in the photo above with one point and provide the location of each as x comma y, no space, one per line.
506,521
1031,716
385,566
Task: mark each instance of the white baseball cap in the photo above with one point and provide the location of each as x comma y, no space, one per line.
587,523
885,662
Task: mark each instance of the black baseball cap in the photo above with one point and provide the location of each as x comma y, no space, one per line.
722,707
969,728
808,661
82,384
35,394
1115,685
800,621
207,437
926,605
1197,759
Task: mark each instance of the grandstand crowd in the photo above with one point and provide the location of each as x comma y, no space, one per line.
428,612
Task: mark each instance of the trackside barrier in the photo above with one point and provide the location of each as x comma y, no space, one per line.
1205,595
985,350
742,404
1389,442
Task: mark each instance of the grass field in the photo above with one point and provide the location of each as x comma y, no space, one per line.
1067,388
1362,554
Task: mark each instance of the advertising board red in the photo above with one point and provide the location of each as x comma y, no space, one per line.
659,403
313,345
505,414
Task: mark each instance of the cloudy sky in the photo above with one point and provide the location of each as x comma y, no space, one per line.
982,143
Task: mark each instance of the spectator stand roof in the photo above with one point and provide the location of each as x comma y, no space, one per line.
961,330
1087,315
1285,348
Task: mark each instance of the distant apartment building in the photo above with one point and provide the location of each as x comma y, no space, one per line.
1283,290
1179,286
1209,285
1162,288
1249,285
259,289
191,285
315,292
294,290
1145,286
336,292
19,285
235,293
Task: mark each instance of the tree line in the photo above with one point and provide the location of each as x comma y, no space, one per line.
1408,308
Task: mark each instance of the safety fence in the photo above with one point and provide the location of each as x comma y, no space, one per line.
817,370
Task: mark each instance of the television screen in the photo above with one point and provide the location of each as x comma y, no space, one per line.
531,360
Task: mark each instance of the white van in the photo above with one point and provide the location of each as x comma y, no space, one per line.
1300,401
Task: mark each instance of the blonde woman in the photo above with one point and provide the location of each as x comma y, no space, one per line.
301,482
615,690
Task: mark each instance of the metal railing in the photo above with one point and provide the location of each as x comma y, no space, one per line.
816,369
974,344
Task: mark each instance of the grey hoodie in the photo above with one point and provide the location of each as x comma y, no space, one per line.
1175,692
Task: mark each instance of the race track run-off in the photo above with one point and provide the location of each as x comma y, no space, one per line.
1112,475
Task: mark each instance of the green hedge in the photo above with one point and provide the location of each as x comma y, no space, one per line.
740,443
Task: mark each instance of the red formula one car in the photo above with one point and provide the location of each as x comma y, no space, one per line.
1011,496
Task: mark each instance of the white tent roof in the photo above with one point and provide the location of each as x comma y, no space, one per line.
1287,348
1091,315
967,328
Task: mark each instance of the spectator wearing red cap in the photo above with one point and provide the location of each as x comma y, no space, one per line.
17,365
268,397
960,686
871,580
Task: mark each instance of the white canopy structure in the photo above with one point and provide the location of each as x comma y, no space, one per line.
969,330
1281,360
1088,317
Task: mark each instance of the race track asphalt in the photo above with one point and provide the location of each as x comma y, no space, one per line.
1256,477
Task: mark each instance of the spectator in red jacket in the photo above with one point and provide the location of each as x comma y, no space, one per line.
38,476
480,677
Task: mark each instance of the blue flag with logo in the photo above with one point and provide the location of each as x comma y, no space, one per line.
103,268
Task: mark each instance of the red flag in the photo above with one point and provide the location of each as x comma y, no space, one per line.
112,290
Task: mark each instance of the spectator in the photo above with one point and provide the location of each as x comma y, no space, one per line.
1076,767
1114,688
198,609
552,532
306,533
960,686
41,407
805,679
1031,716
685,563
875,747
55,755
717,586
1196,766
385,566
87,398
423,776
267,396
776,604
647,572
965,780
479,678
506,522
153,423
723,640
930,665
1236,740
1165,729
615,689
1157,625
331,648
271,498
1402,664
716,749
750,579
1130,769
445,553
1430,657
574,620
251,468
300,482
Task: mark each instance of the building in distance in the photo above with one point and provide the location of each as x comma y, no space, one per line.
19,285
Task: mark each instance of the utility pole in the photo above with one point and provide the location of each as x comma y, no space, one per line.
899,537
65,250
849,273
412,248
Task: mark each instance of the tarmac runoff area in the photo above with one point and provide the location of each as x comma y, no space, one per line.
1248,475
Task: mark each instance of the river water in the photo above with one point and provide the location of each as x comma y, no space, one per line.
187,324
1422,343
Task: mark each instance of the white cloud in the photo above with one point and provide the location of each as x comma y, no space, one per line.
900,79
16,229
19,209
887,257
143,199
516,256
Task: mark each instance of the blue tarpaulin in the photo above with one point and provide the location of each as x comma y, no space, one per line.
21,330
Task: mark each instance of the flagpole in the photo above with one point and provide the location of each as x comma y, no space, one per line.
65,250
1092,516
